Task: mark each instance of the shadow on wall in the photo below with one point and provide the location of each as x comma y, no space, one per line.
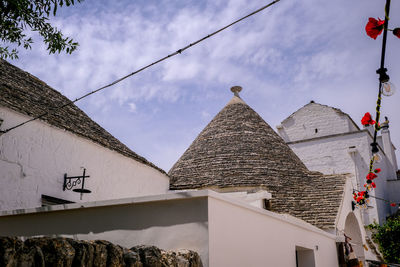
131,216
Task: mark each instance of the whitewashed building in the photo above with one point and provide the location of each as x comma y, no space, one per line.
35,158
238,196
239,155
328,140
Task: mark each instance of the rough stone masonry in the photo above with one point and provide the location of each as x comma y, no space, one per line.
66,252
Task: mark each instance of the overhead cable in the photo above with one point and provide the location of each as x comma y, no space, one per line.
179,51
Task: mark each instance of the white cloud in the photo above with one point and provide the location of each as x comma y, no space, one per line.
132,107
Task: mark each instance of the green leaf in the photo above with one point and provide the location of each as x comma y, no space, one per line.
20,15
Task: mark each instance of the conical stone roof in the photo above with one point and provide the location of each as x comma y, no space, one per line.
238,149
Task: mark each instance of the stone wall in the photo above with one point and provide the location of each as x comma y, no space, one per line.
65,252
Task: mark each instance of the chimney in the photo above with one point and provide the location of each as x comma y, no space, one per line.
387,145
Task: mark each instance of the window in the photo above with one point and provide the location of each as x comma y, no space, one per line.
267,204
304,257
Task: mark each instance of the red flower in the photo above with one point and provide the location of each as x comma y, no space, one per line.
393,204
373,185
377,170
359,199
371,176
361,194
396,32
374,27
367,119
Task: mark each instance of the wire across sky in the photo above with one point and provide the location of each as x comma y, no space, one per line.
179,51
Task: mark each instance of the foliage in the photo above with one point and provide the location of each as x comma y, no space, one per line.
18,16
388,238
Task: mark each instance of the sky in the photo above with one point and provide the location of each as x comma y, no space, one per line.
283,57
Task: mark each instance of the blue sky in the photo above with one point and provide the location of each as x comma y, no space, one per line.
283,57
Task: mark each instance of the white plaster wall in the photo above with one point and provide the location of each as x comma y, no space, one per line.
331,155
381,191
253,199
389,151
302,124
223,231
241,236
394,193
34,158
167,222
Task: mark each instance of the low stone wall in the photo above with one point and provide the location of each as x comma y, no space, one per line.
65,252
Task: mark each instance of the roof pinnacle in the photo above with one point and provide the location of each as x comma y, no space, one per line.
235,90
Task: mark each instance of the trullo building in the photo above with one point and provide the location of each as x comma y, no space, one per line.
239,154
328,140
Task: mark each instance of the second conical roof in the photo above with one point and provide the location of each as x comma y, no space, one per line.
237,148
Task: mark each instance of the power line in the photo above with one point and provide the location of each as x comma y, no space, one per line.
179,51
